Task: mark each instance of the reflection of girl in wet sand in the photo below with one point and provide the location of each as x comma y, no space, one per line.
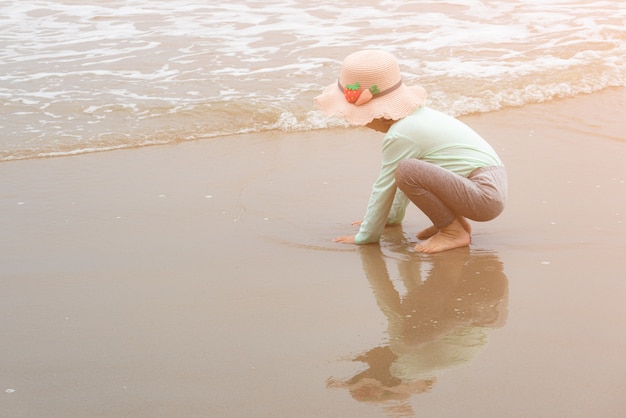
441,321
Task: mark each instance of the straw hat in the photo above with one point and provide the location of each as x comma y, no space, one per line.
369,87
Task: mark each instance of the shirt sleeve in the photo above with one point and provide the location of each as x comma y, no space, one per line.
398,208
396,147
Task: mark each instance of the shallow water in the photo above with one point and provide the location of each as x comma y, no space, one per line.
80,76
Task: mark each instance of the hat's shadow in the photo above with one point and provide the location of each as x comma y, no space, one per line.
439,310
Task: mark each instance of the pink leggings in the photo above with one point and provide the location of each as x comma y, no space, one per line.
443,195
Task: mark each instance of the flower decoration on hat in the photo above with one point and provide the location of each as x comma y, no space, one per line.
354,94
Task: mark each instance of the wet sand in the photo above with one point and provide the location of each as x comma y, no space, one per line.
199,280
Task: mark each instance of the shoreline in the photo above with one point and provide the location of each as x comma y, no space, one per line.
200,278
609,92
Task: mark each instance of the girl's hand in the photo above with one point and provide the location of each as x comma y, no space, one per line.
357,223
345,239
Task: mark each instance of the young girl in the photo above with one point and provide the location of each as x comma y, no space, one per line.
435,161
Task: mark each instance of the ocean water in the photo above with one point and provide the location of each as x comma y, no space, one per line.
87,75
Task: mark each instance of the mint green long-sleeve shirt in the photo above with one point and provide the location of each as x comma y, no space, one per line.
430,136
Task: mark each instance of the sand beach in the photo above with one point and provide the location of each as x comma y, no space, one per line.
199,280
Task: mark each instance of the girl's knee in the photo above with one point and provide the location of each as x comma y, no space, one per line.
402,173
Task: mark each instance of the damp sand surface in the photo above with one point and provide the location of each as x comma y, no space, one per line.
199,279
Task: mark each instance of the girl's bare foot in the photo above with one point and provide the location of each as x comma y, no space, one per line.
428,232
432,230
452,236
466,225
